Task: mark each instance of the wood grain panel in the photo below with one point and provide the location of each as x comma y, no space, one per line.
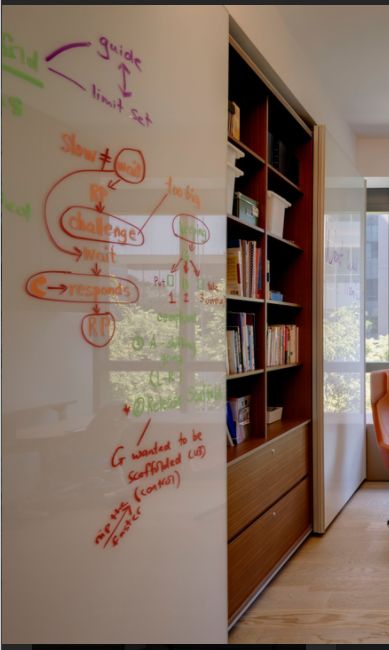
335,589
257,481
254,553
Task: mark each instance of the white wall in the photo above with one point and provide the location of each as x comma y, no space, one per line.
266,28
373,157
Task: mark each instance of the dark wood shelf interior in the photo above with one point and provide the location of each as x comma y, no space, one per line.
284,184
241,375
249,153
245,229
277,241
285,366
245,299
248,446
273,430
283,303
276,429
267,479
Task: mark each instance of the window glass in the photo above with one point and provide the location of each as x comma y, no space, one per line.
377,295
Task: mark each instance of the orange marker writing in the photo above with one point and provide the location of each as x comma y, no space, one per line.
34,286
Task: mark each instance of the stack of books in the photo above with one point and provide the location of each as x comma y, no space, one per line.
282,345
238,419
244,269
240,342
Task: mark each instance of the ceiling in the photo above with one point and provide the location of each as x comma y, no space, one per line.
348,45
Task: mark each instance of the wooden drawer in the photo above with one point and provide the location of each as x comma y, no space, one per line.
258,480
255,553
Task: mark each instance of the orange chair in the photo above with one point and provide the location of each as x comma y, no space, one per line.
379,386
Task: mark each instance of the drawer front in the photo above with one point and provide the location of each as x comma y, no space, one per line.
255,552
259,480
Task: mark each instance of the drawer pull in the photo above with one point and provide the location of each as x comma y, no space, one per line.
274,513
273,451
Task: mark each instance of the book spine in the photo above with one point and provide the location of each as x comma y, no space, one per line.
234,271
230,422
231,352
267,279
240,407
259,273
243,335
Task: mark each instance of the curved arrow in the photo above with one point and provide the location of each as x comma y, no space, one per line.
75,251
118,175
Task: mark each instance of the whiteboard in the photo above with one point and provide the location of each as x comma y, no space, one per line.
113,202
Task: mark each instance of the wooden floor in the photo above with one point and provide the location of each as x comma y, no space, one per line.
336,588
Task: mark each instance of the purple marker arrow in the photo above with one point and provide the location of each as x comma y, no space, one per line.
64,48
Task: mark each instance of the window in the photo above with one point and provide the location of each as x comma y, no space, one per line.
377,284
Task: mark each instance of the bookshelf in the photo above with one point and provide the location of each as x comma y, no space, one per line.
269,473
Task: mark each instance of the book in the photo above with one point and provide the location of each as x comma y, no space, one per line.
230,441
240,407
232,351
234,271
251,262
241,341
231,426
259,291
244,250
235,321
282,345
276,295
250,325
244,268
267,279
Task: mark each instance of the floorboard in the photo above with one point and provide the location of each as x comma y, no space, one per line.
335,589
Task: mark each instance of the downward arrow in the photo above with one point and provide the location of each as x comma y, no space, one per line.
99,207
196,270
175,266
96,270
61,288
112,184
